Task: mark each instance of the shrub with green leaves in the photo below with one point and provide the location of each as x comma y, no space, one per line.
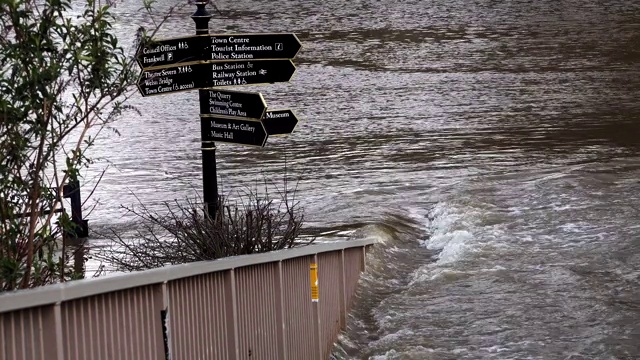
64,77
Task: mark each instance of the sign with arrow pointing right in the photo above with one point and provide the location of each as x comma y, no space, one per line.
232,103
279,122
235,131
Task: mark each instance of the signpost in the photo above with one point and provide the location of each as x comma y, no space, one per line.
209,176
158,81
218,47
208,61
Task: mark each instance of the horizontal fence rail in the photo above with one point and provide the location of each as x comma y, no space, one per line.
245,307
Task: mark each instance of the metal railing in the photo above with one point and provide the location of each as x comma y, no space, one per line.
245,307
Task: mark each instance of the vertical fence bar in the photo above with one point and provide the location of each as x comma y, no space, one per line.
343,292
231,314
282,340
4,343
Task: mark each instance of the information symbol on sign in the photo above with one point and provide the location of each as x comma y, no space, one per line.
170,56
263,72
279,47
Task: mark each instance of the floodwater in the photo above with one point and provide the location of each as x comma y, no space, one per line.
493,147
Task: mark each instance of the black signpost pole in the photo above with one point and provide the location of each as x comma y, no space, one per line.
209,177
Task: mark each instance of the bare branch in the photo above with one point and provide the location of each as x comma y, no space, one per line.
181,234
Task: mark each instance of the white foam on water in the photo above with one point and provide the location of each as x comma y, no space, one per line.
432,273
393,337
453,245
457,232
414,352
451,232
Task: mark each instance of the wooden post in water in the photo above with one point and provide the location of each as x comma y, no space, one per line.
209,177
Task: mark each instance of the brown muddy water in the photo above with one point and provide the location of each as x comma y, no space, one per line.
493,147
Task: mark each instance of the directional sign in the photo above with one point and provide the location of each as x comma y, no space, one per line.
170,80
203,75
232,103
217,47
230,73
170,51
279,122
236,131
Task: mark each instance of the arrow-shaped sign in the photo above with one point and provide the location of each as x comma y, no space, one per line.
203,75
232,103
279,122
217,47
235,131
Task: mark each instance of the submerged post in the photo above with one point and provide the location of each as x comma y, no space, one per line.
81,228
209,177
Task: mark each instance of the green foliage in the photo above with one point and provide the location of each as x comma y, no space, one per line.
63,75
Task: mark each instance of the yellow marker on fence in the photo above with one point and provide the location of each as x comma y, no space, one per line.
313,272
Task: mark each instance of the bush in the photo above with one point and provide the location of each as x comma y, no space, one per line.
64,77
183,233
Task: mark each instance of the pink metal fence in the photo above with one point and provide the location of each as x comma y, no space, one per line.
24,333
246,307
197,317
300,337
331,281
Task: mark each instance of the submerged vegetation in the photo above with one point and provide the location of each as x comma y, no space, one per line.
183,232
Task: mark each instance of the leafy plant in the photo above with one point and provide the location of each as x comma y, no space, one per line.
64,77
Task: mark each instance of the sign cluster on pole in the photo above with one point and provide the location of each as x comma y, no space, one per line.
207,62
